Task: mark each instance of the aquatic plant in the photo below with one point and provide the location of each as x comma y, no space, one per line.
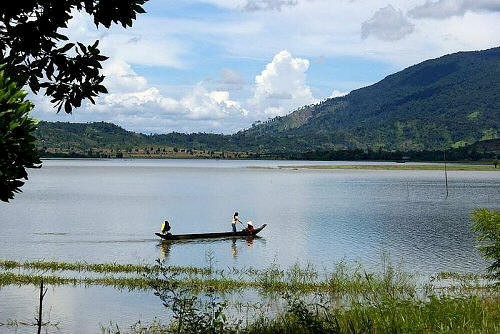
344,279
346,300
487,226
97,267
467,314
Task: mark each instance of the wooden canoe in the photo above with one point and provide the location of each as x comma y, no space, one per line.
238,234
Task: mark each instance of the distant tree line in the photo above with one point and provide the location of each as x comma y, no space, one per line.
456,154
459,154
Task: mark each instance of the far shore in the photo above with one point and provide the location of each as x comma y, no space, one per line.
483,166
449,167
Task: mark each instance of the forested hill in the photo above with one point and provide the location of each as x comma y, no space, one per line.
440,103
102,135
106,140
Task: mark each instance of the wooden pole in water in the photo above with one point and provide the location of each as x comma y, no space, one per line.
445,173
40,305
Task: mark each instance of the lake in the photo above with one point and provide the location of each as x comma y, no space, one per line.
108,211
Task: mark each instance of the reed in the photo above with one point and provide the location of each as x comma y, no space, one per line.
347,299
438,315
459,276
104,268
271,279
343,280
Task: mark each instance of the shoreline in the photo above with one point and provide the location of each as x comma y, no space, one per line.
459,165
399,167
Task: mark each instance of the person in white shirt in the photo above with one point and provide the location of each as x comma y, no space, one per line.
235,219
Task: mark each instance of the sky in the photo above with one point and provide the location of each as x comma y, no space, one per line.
218,66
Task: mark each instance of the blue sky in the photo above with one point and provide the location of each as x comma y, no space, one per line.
220,65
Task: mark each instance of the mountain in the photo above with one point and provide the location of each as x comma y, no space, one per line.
445,102
452,101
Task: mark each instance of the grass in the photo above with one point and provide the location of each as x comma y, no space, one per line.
342,280
130,283
458,276
438,315
269,280
97,267
449,167
347,299
372,304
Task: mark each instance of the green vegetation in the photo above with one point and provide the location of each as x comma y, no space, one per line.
346,300
105,140
273,279
361,303
96,267
387,314
384,315
487,226
17,143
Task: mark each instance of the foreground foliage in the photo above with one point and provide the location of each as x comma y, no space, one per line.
438,315
17,143
34,52
487,226
348,299
383,308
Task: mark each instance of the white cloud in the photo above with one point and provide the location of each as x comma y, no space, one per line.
136,105
445,8
198,104
256,5
231,77
337,93
230,80
281,86
145,48
143,44
135,102
120,77
310,28
388,24
210,105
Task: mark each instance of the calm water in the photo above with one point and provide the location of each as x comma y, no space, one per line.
108,210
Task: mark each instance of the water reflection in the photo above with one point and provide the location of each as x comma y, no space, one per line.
234,249
166,246
250,242
164,250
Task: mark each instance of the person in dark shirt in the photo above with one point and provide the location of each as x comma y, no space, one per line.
165,227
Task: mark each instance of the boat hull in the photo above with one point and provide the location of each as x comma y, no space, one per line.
238,234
